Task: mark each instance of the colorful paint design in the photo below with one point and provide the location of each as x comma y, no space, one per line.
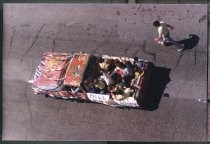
65,71
76,69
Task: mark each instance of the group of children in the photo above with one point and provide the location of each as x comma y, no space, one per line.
116,76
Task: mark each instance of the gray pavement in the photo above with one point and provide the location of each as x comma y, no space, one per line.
117,29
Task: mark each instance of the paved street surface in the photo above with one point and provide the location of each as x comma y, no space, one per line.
180,78
208,136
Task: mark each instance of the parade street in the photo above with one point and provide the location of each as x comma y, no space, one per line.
180,78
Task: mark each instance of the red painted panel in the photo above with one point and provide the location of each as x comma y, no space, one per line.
76,69
51,70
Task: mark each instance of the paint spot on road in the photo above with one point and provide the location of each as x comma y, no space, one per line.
139,8
203,18
158,18
70,23
25,25
166,95
118,12
92,25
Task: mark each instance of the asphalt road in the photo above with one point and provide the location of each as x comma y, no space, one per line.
113,29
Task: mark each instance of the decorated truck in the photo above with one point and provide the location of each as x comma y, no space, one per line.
109,80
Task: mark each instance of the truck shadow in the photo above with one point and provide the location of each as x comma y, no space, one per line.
158,80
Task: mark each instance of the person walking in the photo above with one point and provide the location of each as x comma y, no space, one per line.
164,35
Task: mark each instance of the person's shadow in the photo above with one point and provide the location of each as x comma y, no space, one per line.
188,43
159,78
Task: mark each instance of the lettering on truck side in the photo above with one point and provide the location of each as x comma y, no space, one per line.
130,101
100,98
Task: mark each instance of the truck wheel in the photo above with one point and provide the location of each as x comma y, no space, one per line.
46,95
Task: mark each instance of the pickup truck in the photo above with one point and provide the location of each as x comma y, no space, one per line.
110,80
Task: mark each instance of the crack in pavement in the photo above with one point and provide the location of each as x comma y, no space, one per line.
53,43
29,107
187,76
93,52
53,47
149,53
12,38
178,60
129,46
101,43
137,50
36,37
27,102
111,33
195,56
